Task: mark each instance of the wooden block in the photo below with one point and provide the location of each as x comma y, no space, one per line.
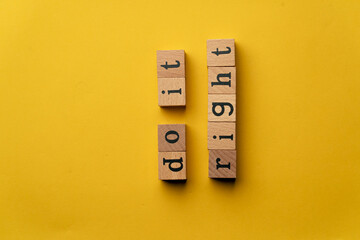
171,138
221,135
172,165
221,53
222,108
171,92
222,163
222,80
171,63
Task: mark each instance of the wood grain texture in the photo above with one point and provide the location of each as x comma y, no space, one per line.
170,63
171,138
222,163
221,52
172,165
222,108
221,80
221,135
171,92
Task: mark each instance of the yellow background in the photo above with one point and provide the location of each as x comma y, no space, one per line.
79,115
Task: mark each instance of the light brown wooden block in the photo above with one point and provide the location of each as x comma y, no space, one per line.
171,92
170,64
221,52
172,165
171,138
222,80
222,163
221,135
222,108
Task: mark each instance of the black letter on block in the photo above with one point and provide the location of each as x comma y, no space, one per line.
218,165
217,52
171,161
222,105
174,91
226,137
167,66
228,75
172,140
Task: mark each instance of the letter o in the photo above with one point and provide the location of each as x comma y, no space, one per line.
172,140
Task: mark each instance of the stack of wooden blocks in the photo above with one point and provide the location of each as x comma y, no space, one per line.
171,92
172,151
171,78
221,108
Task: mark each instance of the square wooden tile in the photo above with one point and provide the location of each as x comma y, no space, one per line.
171,92
222,108
221,80
170,64
221,52
171,138
222,163
221,135
172,165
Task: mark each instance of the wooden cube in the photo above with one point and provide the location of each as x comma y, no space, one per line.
222,80
221,135
172,165
171,92
221,53
170,64
171,138
222,108
222,163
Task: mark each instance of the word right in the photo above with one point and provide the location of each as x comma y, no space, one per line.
221,108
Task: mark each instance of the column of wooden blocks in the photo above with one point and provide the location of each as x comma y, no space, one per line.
172,151
171,78
221,108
